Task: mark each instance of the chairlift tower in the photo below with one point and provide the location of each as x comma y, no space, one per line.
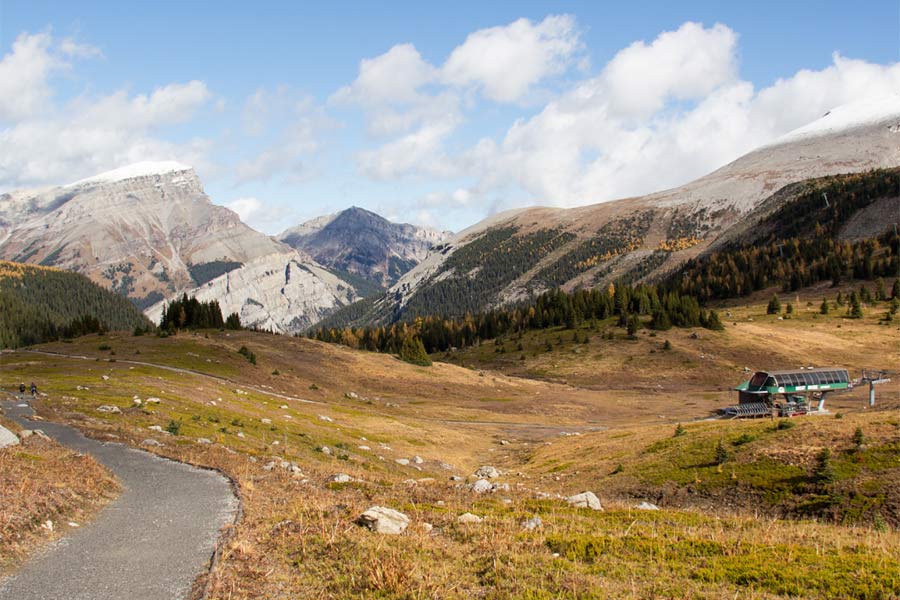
873,377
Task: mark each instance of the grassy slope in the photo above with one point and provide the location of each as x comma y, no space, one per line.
298,539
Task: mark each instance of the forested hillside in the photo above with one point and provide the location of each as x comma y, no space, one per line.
39,304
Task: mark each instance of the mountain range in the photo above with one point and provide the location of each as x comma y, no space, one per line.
149,232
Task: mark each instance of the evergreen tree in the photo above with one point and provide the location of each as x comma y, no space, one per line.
823,309
823,471
722,455
774,306
895,289
413,351
855,309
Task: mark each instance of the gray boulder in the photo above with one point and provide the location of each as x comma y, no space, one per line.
646,506
7,437
488,472
482,486
585,500
383,520
532,523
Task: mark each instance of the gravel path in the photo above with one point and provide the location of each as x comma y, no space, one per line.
149,544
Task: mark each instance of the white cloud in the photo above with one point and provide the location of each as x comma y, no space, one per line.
246,207
24,90
505,62
45,142
686,64
393,77
635,128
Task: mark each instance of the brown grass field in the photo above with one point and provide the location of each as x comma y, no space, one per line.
595,416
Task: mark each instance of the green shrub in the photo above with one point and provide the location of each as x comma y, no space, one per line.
174,427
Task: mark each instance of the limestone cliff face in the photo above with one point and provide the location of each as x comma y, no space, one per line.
150,232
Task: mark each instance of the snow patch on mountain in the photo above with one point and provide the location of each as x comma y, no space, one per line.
139,169
871,111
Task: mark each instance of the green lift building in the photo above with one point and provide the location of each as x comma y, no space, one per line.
788,393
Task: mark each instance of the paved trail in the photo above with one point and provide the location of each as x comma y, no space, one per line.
149,544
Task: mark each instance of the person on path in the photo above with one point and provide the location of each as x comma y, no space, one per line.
33,390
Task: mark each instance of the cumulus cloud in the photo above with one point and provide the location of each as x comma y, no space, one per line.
659,115
392,77
246,207
420,105
42,141
505,62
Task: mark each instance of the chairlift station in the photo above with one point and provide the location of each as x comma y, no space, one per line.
788,393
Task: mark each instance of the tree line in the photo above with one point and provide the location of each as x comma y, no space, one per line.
633,306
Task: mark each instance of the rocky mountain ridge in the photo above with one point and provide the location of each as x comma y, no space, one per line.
364,244
518,254
149,231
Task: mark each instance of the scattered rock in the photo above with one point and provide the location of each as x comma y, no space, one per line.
81,388
104,377
204,441
240,434
418,460
153,400
487,471
504,442
468,518
73,524
402,461
326,418
363,447
7,437
342,478
351,395
157,428
283,406
383,520
265,421
27,433
150,442
585,500
646,506
482,486
427,527
324,450
456,478
137,401
532,523
108,408
47,525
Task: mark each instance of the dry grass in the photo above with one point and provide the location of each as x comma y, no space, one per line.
298,538
42,481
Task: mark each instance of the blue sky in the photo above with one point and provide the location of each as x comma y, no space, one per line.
430,113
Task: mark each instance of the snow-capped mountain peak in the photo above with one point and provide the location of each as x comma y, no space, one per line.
863,113
139,169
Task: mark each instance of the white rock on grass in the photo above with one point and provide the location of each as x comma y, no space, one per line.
384,520
150,442
326,418
482,486
532,523
418,460
468,519
488,472
585,500
7,437
646,506
342,478
402,461
108,408
204,441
